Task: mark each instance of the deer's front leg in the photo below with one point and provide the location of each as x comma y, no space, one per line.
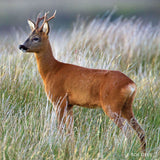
69,120
65,116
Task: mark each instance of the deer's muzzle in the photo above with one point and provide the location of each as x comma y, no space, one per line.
23,48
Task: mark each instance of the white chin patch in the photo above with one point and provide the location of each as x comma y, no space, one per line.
23,50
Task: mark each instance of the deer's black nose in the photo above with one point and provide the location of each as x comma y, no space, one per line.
22,47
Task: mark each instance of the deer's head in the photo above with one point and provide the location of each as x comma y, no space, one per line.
39,36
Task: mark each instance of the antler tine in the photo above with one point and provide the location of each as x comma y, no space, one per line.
45,16
52,16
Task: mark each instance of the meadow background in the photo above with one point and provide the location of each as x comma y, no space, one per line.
127,39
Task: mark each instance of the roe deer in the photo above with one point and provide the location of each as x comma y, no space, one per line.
73,85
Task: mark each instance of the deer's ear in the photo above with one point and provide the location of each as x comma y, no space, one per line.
46,28
31,24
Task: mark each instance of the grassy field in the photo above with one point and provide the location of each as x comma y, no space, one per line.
28,130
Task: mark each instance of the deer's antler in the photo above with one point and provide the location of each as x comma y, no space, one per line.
38,20
46,20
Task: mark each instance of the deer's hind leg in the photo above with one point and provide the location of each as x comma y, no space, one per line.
115,115
127,113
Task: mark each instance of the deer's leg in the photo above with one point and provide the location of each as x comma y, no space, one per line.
135,125
141,134
127,113
69,120
115,116
65,116
60,116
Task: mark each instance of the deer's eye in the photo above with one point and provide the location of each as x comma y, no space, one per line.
36,39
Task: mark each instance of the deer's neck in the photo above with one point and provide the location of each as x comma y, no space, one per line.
45,61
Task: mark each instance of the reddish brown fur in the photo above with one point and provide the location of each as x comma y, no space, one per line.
70,85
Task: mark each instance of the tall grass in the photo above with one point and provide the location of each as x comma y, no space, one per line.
27,119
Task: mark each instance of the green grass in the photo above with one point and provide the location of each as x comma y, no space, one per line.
28,130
